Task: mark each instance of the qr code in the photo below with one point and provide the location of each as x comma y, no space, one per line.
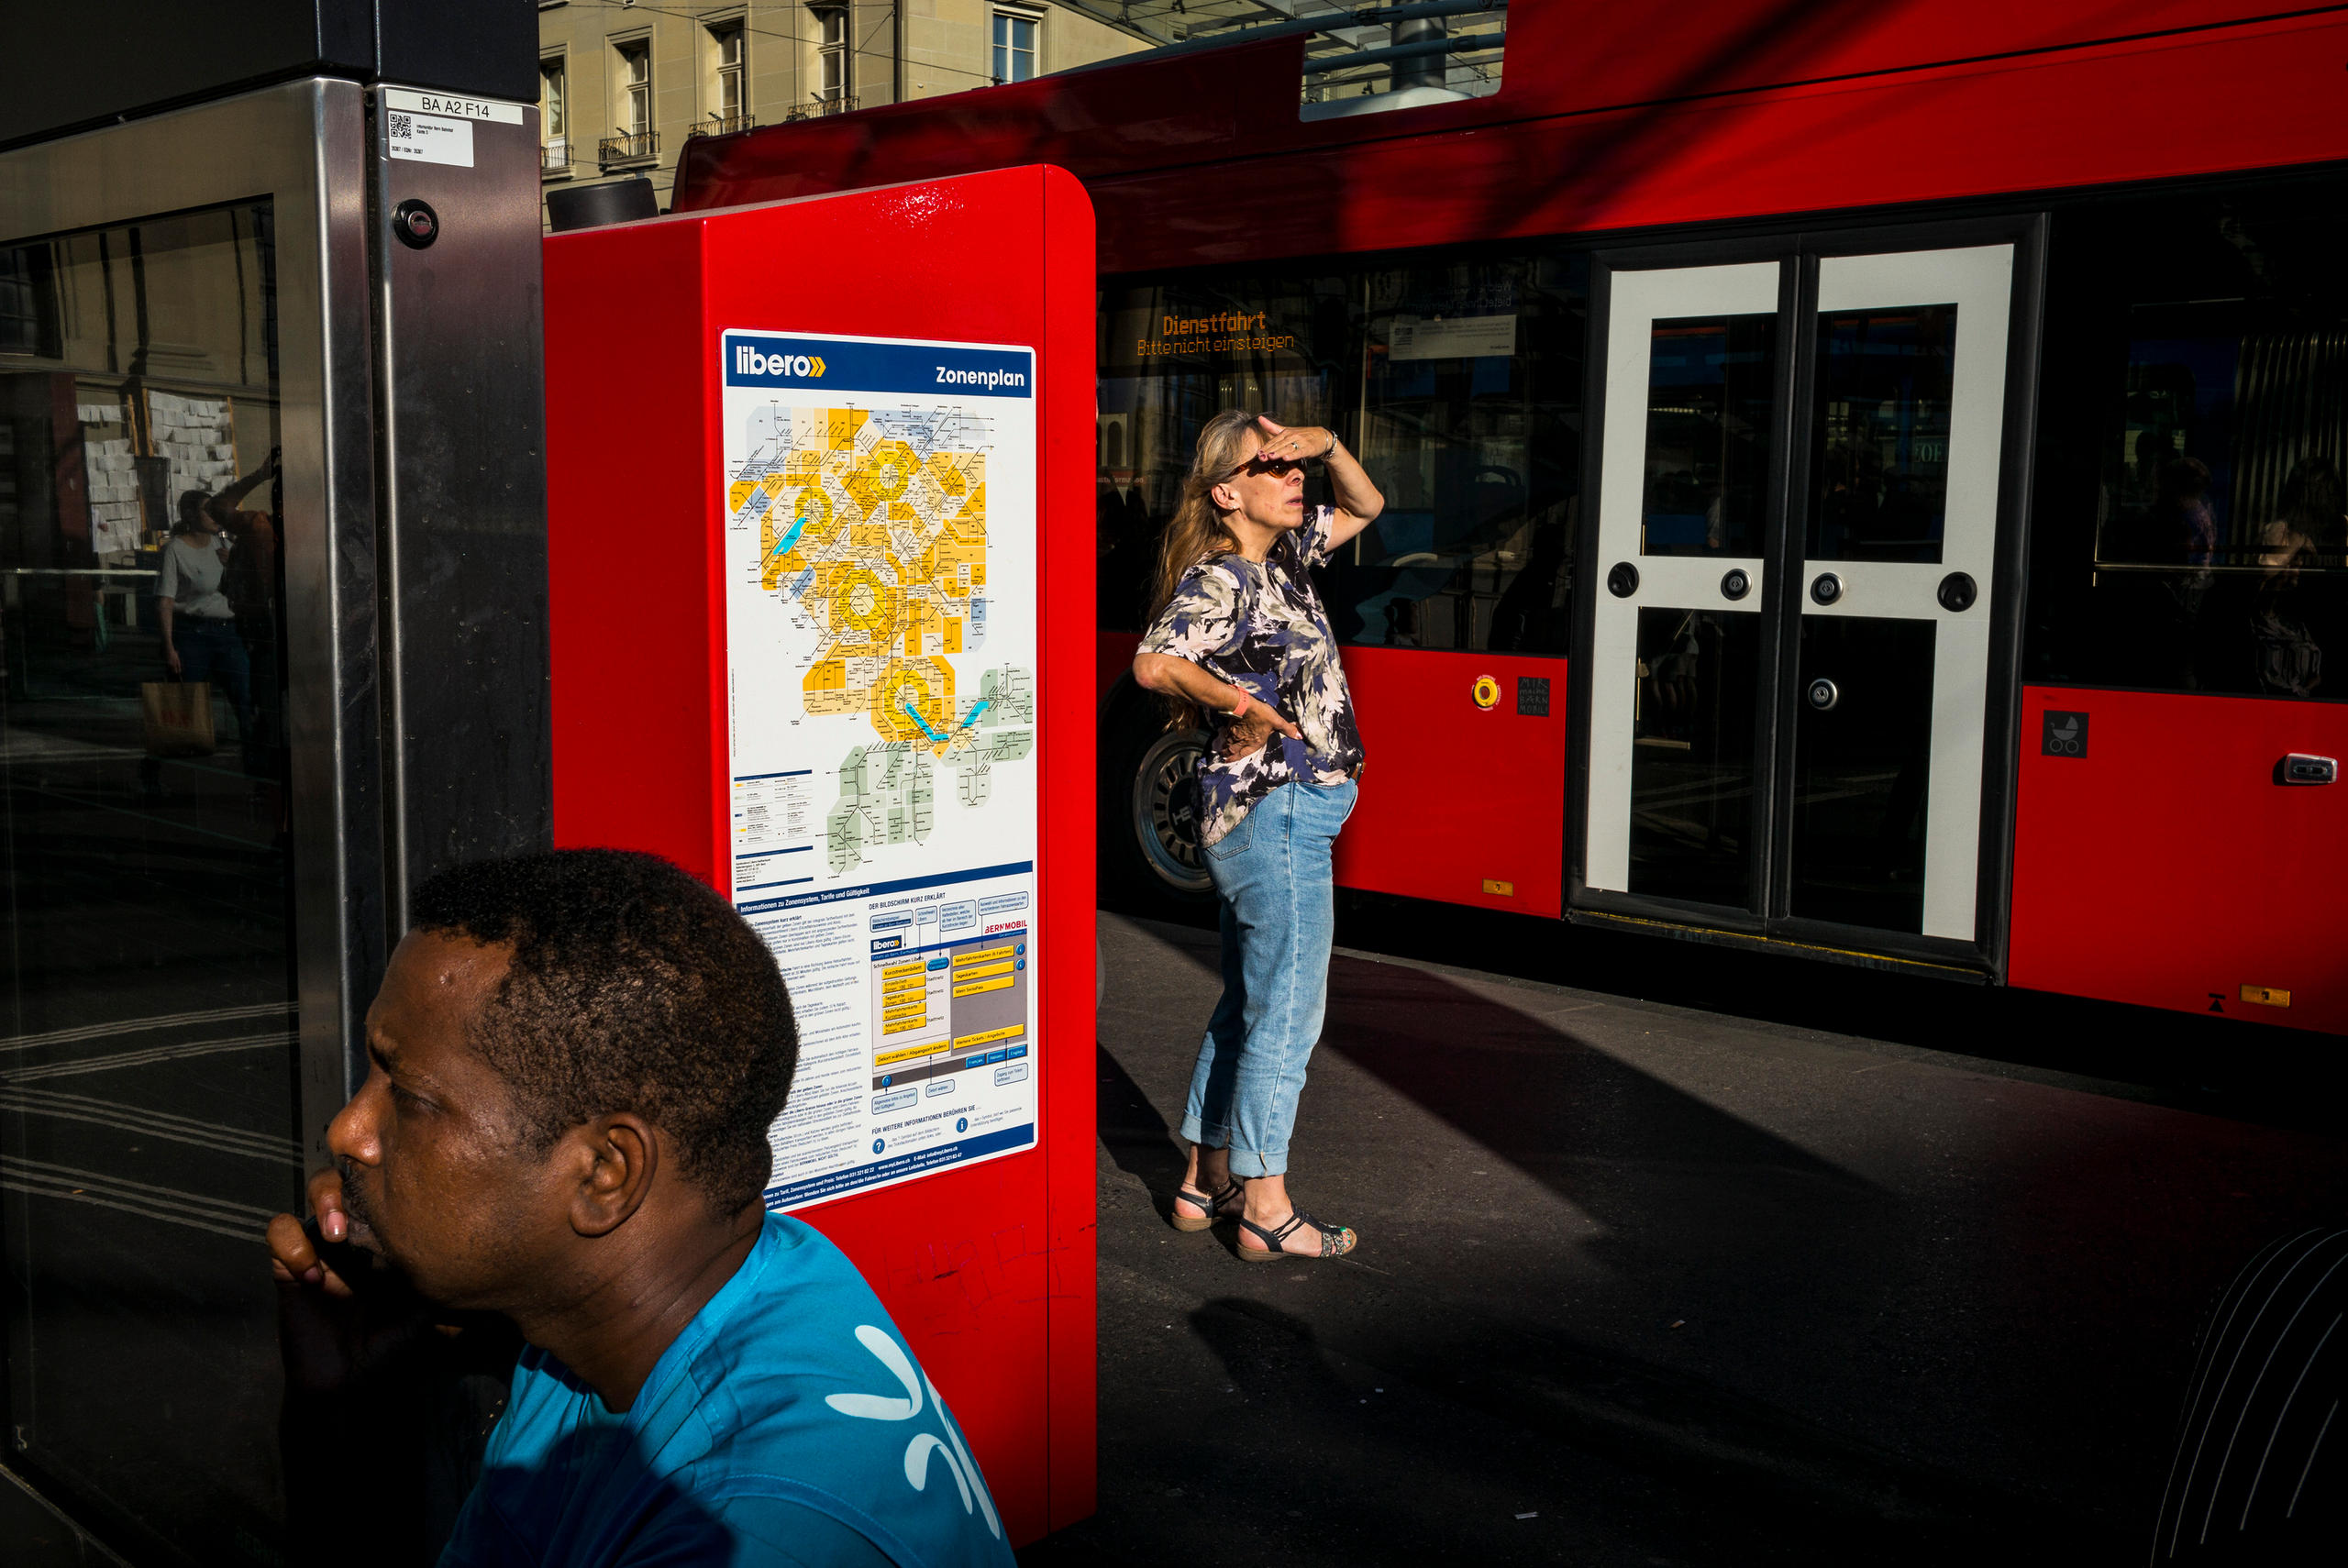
402,127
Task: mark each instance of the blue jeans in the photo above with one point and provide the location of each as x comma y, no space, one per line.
1279,914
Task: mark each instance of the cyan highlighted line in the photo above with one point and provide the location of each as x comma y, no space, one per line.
916,718
972,717
797,524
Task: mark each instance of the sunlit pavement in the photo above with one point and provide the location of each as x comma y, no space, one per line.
1643,1283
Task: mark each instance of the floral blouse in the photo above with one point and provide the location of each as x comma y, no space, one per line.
1261,627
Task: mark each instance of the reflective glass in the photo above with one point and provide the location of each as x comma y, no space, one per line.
2190,529
1457,384
1861,767
1880,462
1712,385
1692,756
148,1064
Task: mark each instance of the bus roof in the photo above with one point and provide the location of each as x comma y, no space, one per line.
1610,116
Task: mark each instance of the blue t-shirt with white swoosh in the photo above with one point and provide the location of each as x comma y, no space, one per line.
789,1424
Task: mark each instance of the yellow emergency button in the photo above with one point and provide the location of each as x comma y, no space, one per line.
2266,995
1486,692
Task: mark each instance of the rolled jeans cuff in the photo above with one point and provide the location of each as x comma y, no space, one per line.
1244,1162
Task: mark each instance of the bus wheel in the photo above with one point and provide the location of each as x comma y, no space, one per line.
1151,863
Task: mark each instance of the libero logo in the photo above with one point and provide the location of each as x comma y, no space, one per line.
748,361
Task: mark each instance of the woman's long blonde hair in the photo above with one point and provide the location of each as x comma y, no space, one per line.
1196,530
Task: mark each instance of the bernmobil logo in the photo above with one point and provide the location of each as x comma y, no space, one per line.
748,361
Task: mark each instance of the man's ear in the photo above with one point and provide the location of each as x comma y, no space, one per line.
619,1156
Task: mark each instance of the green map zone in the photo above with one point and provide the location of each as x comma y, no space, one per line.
889,790
872,529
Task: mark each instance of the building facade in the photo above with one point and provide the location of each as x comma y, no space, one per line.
623,86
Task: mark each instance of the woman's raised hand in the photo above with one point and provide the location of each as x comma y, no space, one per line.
1281,441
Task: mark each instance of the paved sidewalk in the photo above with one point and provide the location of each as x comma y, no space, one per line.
1648,1286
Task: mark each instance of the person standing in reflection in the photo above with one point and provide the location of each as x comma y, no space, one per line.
255,584
1239,637
198,621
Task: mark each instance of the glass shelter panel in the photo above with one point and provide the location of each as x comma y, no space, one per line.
148,1059
1711,387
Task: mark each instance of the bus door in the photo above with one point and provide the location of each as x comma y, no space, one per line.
1795,636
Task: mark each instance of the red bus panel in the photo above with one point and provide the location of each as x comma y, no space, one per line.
1459,803
2167,867
1571,145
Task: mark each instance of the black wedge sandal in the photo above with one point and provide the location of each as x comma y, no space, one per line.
1337,1241
1213,1206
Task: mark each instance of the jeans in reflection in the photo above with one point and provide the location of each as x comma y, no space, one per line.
211,650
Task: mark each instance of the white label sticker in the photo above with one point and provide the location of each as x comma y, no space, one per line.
1457,338
430,139
451,106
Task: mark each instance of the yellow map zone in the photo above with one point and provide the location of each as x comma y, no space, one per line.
877,533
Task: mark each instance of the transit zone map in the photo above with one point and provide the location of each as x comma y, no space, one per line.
872,527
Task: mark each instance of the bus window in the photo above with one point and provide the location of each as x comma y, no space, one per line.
1458,382
2190,532
1469,420
1172,357
1711,381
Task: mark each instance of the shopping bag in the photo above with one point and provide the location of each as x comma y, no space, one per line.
179,717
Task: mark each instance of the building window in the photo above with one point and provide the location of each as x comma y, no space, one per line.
554,118
1015,36
837,80
729,97
551,89
635,86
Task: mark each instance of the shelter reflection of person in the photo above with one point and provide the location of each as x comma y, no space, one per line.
196,615
572,1066
1239,635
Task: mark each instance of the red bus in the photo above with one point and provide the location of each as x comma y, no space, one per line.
1863,481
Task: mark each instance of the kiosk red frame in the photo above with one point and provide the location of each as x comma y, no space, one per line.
988,1268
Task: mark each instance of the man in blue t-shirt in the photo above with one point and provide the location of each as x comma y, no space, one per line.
575,1059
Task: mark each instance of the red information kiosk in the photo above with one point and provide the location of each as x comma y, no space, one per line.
820,530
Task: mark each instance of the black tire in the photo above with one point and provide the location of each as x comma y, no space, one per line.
1150,864
2260,1472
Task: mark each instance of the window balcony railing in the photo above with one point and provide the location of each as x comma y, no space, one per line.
840,103
554,156
641,147
722,124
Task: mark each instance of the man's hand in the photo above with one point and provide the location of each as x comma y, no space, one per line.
330,1334
292,1258
1247,734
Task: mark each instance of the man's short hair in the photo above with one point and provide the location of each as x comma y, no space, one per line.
632,986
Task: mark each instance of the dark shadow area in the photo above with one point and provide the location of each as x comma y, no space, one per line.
1136,1136
2277,1077
1903,1307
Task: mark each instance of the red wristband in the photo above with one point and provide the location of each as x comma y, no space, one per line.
1242,701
